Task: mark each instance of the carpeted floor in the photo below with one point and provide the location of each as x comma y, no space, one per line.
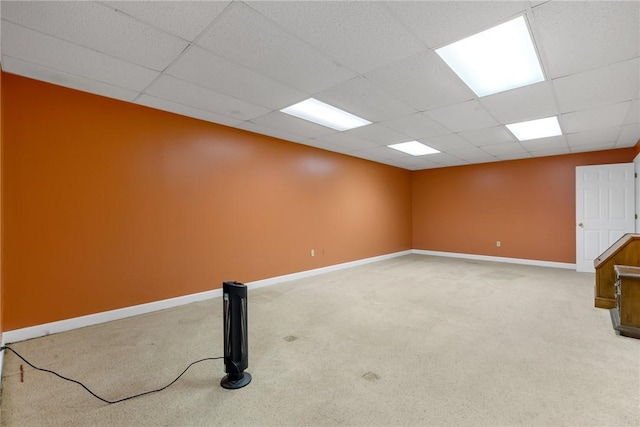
415,340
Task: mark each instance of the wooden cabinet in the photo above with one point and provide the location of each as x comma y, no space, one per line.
626,314
626,251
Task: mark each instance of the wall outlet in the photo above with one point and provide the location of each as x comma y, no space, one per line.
498,243
313,252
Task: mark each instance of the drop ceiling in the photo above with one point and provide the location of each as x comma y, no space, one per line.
239,63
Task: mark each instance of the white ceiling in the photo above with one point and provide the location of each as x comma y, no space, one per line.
239,63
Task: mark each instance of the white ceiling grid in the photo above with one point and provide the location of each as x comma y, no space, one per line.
238,63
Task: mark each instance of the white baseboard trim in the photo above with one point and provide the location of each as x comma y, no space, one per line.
322,270
497,259
30,332
107,316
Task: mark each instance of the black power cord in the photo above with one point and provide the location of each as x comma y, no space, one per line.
4,348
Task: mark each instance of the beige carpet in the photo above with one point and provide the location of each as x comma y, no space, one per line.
414,340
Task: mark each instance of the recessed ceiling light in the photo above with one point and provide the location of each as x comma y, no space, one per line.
534,129
325,115
414,148
495,60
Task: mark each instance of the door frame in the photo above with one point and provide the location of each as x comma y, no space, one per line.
630,208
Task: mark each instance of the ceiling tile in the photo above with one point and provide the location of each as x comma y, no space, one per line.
634,113
505,149
473,154
178,91
206,69
615,83
32,71
554,143
513,156
410,160
359,35
551,152
346,142
245,37
595,147
270,131
629,135
420,166
446,143
102,29
430,166
526,103
246,61
423,81
392,154
535,3
488,136
286,122
593,137
396,158
417,168
416,126
445,159
360,97
321,145
48,52
579,36
402,165
441,22
378,134
602,117
365,154
468,115
172,107
456,162
186,19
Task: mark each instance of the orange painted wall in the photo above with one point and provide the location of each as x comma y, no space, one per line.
108,204
529,205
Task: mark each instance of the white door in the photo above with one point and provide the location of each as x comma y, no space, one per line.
605,206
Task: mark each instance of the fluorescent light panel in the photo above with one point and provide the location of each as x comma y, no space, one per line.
495,60
414,148
324,114
534,129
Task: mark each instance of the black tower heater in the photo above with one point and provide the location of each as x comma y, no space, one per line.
236,354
